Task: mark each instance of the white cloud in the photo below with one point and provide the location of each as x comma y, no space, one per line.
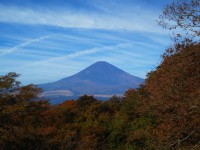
134,20
79,54
24,44
66,53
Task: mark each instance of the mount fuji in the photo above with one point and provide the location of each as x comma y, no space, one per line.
101,79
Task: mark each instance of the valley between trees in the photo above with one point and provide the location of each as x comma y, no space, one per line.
163,113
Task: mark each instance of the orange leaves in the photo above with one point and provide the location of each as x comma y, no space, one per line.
69,104
47,130
174,88
163,113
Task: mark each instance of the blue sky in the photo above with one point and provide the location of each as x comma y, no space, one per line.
46,40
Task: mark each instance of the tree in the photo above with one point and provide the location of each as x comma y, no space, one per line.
20,114
85,101
182,14
173,88
11,92
174,96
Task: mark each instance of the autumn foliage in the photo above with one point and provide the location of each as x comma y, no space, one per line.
174,93
164,113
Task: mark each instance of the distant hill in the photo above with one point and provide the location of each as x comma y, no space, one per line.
101,79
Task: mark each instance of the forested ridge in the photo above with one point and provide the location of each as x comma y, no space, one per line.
163,113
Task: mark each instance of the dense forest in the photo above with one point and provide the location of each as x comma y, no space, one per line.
163,113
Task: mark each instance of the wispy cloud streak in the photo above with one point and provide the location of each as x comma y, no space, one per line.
76,19
81,53
123,33
24,44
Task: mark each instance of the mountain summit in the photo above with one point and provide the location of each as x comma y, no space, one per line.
104,73
101,79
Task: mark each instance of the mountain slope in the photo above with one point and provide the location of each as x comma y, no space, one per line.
99,78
